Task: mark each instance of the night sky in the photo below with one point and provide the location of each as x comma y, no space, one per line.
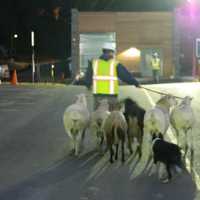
50,19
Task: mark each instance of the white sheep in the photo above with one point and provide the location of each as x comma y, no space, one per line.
182,120
97,121
156,121
76,120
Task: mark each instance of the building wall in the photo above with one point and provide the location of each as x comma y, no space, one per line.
134,29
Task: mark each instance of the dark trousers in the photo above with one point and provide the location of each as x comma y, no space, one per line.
112,100
156,75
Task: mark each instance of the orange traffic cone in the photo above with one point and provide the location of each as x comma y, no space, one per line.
14,78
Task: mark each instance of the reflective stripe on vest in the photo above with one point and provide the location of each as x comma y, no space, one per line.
111,78
95,75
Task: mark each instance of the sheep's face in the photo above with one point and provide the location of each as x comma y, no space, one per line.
187,100
81,98
170,100
104,104
119,106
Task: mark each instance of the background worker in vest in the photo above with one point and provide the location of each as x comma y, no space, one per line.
102,76
155,65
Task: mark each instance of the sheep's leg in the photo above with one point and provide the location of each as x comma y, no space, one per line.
76,148
73,141
140,139
111,153
123,153
130,145
177,136
191,148
116,153
102,140
185,145
192,158
77,144
139,151
186,151
139,147
82,137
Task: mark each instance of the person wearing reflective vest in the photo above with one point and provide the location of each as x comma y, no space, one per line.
155,65
105,79
103,76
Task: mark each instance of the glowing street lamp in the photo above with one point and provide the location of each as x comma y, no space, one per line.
15,35
52,72
33,55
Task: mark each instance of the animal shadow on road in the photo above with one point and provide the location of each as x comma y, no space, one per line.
92,177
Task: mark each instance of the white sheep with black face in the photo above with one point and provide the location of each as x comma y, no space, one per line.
98,118
182,120
76,120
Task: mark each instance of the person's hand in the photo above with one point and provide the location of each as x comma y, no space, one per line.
89,88
77,77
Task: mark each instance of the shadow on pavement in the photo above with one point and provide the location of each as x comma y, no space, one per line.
92,177
114,186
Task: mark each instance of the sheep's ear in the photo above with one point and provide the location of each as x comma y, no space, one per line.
120,105
160,136
153,136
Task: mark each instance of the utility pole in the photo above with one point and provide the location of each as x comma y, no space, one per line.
75,42
176,43
33,55
13,37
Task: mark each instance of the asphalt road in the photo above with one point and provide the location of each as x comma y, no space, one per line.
34,152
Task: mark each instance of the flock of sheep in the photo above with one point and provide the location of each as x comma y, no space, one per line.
129,125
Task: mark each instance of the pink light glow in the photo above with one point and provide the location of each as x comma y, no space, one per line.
190,8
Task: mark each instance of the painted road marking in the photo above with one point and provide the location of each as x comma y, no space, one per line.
173,139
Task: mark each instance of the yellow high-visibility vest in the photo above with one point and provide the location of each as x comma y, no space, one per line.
155,63
105,80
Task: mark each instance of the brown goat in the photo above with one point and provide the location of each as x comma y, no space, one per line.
115,128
